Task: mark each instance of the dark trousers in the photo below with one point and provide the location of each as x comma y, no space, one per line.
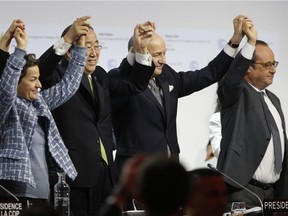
237,195
87,201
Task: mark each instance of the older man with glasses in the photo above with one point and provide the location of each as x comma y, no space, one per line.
254,140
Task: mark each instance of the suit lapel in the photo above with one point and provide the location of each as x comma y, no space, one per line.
151,97
277,106
165,109
85,83
166,96
86,90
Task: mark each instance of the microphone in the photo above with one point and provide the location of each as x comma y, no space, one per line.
10,193
17,205
231,179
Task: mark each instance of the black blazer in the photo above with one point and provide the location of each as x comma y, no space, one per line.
245,131
142,125
3,59
82,119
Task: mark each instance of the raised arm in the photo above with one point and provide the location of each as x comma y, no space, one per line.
8,35
11,74
51,58
135,74
142,37
6,40
231,85
67,87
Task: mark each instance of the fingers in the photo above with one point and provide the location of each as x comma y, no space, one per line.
79,28
18,32
248,23
83,21
249,30
82,25
143,36
16,23
240,18
149,24
145,30
20,37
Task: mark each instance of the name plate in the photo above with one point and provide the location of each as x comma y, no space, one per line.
12,208
275,207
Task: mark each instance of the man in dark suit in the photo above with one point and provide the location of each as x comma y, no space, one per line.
247,148
145,124
85,123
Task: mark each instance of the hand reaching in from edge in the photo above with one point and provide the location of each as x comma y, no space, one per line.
8,35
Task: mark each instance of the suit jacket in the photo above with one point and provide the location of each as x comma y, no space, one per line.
245,131
142,125
3,59
84,118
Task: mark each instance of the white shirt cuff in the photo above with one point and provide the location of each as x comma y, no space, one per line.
230,51
61,47
131,58
248,50
144,59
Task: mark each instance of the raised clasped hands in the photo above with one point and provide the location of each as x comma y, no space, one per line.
20,37
78,31
142,36
9,34
249,30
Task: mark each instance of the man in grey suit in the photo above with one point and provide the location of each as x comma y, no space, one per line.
253,146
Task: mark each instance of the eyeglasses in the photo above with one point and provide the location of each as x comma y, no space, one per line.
95,47
267,65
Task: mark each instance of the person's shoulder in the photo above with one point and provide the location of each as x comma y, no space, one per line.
100,74
167,68
100,69
114,72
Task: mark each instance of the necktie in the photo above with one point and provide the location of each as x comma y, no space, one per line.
102,148
157,93
103,152
275,135
91,84
155,90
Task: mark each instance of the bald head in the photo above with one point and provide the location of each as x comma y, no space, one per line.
157,40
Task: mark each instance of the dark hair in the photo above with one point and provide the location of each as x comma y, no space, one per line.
30,62
196,174
130,43
163,185
259,42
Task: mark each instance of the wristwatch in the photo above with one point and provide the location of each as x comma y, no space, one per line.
233,45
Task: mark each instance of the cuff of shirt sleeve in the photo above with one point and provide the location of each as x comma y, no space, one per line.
61,47
144,59
20,53
248,50
131,58
230,51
